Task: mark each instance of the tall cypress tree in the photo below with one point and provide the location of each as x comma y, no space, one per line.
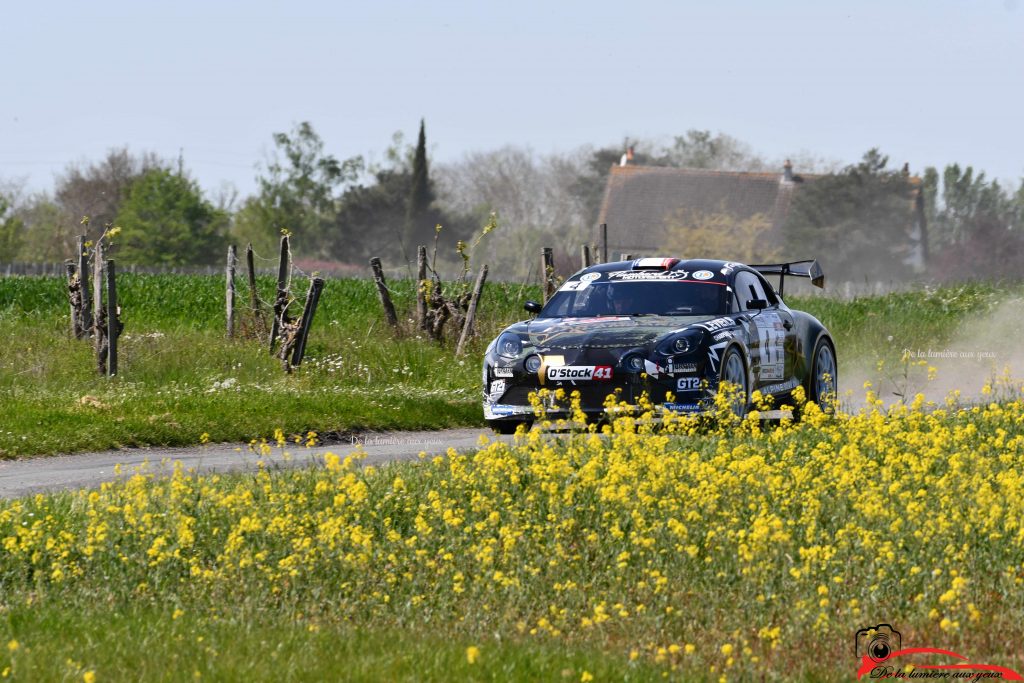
421,195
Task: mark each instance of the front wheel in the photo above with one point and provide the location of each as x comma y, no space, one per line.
824,375
734,371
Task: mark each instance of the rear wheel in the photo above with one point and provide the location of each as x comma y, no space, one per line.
824,375
734,371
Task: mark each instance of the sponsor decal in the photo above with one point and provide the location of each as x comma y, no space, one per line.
687,383
771,337
574,286
681,367
774,371
780,387
716,324
703,275
497,389
879,650
502,371
723,335
628,275
492,411
652,369
579,373
590,277
683,407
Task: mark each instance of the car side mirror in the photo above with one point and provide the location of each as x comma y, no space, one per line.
532,307
757,304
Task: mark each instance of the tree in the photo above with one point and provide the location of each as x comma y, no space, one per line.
298,192
97,190
165,220
716,152
420,221
12,232
858,223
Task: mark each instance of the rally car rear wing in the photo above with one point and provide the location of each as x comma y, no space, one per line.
809,269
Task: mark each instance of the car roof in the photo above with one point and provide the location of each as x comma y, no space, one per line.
714,265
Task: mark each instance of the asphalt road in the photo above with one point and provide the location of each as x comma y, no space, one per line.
86,470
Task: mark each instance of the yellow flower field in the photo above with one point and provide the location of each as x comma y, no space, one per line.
702,550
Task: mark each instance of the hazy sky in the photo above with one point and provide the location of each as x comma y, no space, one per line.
928,81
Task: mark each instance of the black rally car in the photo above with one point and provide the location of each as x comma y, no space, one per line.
661,326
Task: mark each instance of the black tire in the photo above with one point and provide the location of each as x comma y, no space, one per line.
734,371
823,382
505,426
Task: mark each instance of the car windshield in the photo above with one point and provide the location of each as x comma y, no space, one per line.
637,298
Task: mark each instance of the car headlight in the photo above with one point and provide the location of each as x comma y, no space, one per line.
633,363
687,342
532,363
509,345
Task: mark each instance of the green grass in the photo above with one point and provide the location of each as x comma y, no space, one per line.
146,642
179,377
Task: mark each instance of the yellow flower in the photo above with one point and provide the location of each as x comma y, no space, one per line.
472,654
89,677
586,676
727,649
12,646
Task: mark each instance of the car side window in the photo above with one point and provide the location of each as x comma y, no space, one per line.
748,287
769,291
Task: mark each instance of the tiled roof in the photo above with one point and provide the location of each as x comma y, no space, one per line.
639,200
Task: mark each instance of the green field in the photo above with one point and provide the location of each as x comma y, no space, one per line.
180,378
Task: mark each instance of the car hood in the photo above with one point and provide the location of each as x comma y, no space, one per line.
602,332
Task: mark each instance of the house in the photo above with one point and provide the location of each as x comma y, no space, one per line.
648,209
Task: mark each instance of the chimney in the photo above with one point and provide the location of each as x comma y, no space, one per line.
627,158
787,171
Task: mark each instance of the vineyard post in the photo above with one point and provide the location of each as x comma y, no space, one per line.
467,326
382,292
254,301
585,256
229,294
312,299
85,319
421,284
99,333
281,301
113,320
547,269
74,302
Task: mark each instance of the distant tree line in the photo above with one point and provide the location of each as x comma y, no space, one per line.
346,210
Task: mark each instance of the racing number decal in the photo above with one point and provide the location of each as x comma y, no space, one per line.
772,338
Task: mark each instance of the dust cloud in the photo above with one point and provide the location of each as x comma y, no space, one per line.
986,350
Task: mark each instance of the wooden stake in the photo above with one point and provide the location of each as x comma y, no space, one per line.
312,299
113,320
85,313
99,332
254,301
74,299
625,257
421,287
585,256
382,292
467,326
229,294
547,269
281,300
604,243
